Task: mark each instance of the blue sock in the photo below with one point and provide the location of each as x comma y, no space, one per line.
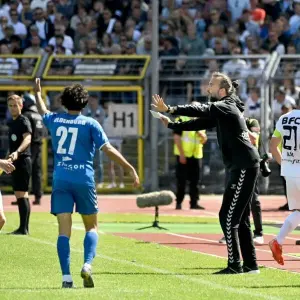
90,246
63,251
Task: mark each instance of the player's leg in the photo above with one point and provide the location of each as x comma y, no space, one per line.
2,216
87,205
291,222
90,246
62,205
63,247
20,183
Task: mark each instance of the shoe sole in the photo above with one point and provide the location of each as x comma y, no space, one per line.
279,260
253,272
258,244
88,281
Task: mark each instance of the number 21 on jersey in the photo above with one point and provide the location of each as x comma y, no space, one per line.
290,141
63,133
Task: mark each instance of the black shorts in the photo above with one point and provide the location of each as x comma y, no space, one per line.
21,175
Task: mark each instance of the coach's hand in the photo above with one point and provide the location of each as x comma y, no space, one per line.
7,166
159,104
165,120
37,87
14,156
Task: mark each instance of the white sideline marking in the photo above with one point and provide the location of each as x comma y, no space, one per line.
163,271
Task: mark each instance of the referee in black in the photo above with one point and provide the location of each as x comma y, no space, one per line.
19,147
225,112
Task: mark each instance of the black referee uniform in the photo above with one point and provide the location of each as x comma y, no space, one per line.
21,176
241,158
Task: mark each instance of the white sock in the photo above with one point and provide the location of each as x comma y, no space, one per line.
67,278
88,266
290,224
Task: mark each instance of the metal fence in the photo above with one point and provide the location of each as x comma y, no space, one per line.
184,79
181,80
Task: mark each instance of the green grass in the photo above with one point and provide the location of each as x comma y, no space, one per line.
126,269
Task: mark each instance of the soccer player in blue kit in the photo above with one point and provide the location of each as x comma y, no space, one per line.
74,140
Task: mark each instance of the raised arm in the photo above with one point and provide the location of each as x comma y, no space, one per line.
39,100
192,125
189,110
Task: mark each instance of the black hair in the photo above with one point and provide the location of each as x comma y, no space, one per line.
74,97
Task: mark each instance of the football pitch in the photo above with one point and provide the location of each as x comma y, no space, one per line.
177,263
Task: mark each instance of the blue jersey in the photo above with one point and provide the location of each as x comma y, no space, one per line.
74,140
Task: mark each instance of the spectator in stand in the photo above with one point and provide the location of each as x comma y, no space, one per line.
44,24
26,14
60,32
282,98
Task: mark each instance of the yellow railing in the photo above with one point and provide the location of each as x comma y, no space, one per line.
22,56
118,58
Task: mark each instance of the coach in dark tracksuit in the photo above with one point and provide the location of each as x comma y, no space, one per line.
254,128
240,157
30,111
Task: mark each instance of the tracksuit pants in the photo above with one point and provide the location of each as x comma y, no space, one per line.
235,217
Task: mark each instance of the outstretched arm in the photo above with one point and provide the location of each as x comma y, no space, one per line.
39,100
192,125
189,110
116,156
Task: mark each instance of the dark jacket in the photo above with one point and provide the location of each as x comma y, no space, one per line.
233,139
36,122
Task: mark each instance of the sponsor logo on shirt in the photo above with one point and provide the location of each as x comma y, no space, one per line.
13,137
70,167
66,158
245,136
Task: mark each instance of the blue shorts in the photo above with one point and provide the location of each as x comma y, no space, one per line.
66,194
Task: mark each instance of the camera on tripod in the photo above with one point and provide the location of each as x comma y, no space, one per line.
264,165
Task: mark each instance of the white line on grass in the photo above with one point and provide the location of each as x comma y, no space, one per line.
206,283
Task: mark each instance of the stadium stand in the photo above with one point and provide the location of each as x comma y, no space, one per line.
88,39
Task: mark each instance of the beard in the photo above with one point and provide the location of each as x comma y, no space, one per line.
212,98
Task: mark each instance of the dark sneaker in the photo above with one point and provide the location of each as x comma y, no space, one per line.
284,207
197,206
67,285
229,271
19,232
86,275
178,206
